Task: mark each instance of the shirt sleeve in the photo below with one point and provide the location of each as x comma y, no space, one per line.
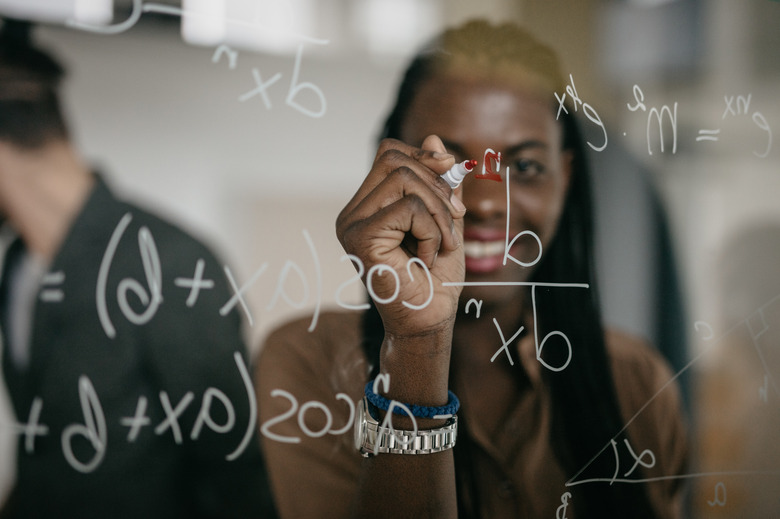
307,386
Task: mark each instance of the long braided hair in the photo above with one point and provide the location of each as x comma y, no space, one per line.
585,413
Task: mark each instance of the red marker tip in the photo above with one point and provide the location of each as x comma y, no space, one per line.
470,164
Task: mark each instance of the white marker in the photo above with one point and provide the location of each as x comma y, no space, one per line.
455,175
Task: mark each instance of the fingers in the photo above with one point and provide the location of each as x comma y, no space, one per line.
404,192
434,143
428,165
432,153
393,154
423,204
388,228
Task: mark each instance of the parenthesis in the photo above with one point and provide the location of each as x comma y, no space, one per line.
617,461
252,407
105,266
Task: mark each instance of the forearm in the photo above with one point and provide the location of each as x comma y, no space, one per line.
400,485
406,485
405,219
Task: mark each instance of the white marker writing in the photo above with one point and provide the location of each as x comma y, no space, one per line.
560,513
93,429
355,279
105,265
477,304
720,495
252,404
301,411
172,415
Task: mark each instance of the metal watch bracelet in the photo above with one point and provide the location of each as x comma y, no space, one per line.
372,438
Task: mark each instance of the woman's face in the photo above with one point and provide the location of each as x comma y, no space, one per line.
471,115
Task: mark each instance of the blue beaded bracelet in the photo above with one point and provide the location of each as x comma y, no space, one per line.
420,411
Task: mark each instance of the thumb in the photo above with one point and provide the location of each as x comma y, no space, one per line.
433,143
442,160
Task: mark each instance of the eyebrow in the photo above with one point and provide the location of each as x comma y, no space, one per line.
526,145
457,149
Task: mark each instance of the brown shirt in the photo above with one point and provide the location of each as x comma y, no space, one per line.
308,383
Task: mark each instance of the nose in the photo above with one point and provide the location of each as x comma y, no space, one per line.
485,199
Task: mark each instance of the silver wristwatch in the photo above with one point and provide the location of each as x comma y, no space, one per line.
371,438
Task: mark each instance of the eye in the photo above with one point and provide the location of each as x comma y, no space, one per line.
526,169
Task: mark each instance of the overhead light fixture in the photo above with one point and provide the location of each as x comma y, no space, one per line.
396,26
59,11
276,26
203,22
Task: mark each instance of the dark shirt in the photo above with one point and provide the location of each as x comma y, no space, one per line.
146,402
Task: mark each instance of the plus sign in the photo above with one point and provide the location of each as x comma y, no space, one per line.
33,428
195,284
140,419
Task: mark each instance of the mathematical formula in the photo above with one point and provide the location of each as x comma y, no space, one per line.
92,426
661,121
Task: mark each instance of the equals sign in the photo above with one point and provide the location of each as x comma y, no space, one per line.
708,135
52,295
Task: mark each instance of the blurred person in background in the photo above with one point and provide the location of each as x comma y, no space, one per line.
126,395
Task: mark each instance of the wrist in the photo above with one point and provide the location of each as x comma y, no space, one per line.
433,340
381,403
418,368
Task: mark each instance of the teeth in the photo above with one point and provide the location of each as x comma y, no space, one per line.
482,249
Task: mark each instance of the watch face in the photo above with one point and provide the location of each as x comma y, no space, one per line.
360,424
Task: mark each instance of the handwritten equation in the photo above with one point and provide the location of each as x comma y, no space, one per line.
93,427
662,120
296,87
261,86
149,290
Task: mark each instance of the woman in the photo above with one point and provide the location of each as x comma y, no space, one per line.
545,393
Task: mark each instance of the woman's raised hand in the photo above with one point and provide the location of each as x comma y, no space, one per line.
405,224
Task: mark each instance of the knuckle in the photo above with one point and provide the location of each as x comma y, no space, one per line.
442,185
386,146
392,157
415,203
352,239
404,174
347,227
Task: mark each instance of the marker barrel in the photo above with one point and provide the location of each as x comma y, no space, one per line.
455,175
